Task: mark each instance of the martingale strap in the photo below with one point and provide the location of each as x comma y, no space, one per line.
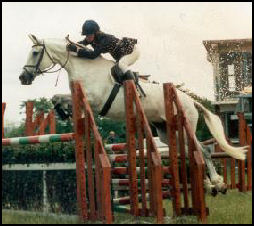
110,99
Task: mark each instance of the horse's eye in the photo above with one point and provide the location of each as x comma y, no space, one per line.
35,53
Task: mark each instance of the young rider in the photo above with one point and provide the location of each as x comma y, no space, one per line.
124,51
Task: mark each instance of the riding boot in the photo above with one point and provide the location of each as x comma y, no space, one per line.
117,73
129,75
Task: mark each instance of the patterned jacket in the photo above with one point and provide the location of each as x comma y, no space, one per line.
105,43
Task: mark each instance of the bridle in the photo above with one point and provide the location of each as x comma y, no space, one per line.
37,65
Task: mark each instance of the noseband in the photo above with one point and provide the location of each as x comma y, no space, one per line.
37,66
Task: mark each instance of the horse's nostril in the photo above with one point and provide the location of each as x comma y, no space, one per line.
22,75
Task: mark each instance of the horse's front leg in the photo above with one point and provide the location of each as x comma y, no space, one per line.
216,179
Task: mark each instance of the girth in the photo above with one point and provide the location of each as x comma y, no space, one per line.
119,82
110,99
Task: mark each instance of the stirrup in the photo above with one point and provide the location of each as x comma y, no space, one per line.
129,75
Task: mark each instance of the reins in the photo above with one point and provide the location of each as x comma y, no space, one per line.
37,66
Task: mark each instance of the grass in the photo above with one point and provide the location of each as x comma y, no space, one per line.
232,208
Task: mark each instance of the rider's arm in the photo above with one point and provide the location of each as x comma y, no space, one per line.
83,42
89,53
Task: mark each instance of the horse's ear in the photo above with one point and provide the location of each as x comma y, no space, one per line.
34,39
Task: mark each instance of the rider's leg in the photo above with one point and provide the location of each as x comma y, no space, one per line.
129,59
120,70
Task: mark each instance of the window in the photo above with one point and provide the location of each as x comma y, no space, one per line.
231,83
231,69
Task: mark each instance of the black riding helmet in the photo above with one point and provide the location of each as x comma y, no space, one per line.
90,27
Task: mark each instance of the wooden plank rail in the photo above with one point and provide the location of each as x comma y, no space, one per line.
48,138
126,200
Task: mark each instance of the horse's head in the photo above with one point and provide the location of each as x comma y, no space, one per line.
39,61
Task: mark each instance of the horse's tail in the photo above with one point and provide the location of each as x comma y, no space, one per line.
216,128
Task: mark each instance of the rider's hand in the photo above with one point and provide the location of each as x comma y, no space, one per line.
71,47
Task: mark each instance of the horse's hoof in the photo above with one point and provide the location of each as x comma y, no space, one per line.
224,190
214,192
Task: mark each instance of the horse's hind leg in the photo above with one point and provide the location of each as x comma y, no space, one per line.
216,183
162,133
209,187
216,179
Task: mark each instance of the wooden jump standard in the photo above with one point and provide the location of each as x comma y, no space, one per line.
136,123
99,179
179,122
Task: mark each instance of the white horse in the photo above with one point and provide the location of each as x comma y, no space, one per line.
95,77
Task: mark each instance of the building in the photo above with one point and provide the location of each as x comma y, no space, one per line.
232,75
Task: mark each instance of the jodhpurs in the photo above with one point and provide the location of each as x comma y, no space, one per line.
129,59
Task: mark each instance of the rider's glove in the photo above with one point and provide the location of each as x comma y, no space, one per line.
71,47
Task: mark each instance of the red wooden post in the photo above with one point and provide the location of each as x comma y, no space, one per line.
197,167
196,161
225,176
131,144
41,125
150,175
241,163
101,165
3,110
38,124
181,141
157,186
232,172
169,98
98,180
29,119
200,194
79,152
249,160
89,161
52,122
154,169
106,189
140,128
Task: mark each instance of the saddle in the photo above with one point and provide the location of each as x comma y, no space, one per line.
119,78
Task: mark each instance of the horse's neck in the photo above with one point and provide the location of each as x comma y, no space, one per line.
94,74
